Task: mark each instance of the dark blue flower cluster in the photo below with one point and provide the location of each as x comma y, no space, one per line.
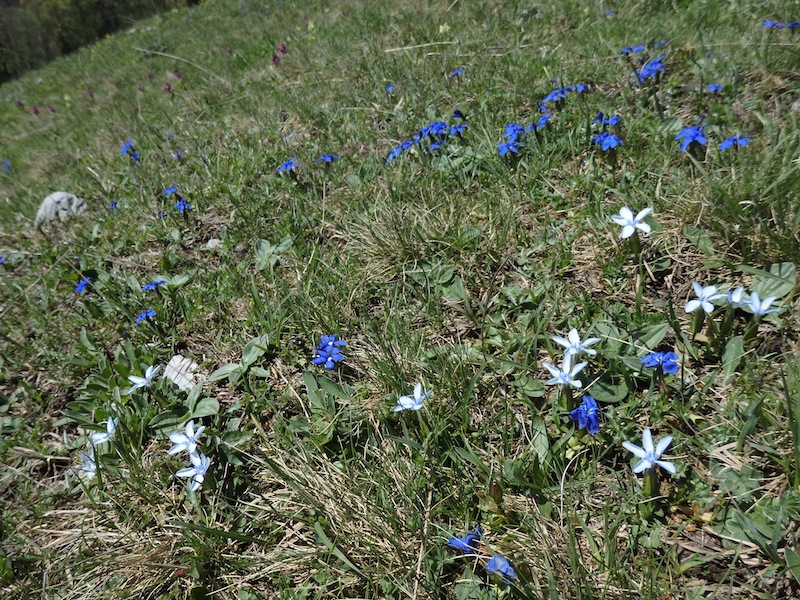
714,88
515,133
735,141
327,158
183,206
606,139
651,68
153,285
431,137
113,205
559,94
127,149
171,190
471,544
666,361
6,166
587,415
633,49
328,353
82,285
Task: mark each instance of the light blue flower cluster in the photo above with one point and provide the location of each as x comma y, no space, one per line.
127,149
200,463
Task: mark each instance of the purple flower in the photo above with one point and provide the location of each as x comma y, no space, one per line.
282,47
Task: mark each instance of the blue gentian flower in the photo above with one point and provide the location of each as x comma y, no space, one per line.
183,206
514,131
126,148
6,166
81,287
776,24
438,128
649,456
651,69
499,565
459,115
556,95
504,148
607,141
456,72
327,158
667,361
177,155
328,353
580,88
113,205
633,49
148,314
389,88
171,190
469,544
691,135
587,415
714,88
458,129
289,166
153,285
437,145
162,214
2,259
540,123
736,140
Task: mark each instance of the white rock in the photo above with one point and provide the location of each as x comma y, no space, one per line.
214,243
180,371
59,205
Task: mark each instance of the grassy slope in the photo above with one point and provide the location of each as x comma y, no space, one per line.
455,271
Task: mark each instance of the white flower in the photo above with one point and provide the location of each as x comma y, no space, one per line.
705,295
629,223
650,456
415,403
566,374
187,440
736,296
197,471
140,382
573,344
100,437
761,307
88,466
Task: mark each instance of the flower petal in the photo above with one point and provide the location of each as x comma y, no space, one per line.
634,449
662,445
647,440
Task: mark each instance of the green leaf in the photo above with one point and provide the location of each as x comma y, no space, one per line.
226,371
268,255
700,238
205,408
732,358
326,541
259,372
539,439
793,562
86,343
650,337
779,281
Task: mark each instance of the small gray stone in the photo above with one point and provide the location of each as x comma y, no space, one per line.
58,205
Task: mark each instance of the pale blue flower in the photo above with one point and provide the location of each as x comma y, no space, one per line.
648,455
88,467
705,296
415,403
573,344
736,296
761,307
140,382
566,374
186,440
101,437
629,223
200,465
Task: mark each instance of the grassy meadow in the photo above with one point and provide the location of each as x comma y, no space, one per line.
431,182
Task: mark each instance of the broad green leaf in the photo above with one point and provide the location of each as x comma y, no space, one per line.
650,337
779,281
86,343
539,439
226,371
254,349
700,238
205,408
793,562
732,358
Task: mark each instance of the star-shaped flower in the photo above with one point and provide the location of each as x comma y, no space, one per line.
667,361
705,296
140,382
200,465
186,440
648,455
101,437
566,374
629,223
573,344
415,403
761,307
